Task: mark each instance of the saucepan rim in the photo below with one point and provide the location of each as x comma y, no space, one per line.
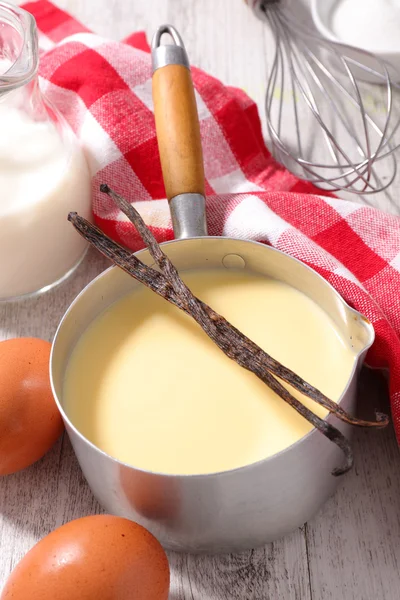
228,472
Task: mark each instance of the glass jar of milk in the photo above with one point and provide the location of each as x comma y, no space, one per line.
43,173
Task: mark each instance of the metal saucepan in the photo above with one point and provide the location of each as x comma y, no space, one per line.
245,507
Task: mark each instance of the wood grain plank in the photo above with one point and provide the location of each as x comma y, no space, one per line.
279,570
225,39
351,548
117,19
39,499
53,491
354,542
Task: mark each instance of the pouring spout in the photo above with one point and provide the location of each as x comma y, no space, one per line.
359,330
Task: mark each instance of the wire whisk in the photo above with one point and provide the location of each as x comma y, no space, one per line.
324,123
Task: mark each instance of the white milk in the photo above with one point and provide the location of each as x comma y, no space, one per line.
42,179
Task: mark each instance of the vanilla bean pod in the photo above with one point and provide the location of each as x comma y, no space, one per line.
231,341
268,361
158,283
124,259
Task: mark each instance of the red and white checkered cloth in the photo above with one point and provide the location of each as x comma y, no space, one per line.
103,89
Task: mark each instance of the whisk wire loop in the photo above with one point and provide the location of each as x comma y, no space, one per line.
322,121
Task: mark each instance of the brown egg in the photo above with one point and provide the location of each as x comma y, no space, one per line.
94,558
30,422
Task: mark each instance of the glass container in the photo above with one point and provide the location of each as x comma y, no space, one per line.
43,171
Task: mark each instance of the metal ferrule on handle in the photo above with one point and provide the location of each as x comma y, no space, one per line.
178,135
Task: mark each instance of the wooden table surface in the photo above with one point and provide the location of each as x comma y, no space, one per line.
351,549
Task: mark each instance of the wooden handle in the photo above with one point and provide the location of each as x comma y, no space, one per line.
178,131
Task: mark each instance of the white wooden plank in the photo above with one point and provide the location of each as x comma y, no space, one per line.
53,491
225,39
354,542
277,571
118,19
39,499
351,549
